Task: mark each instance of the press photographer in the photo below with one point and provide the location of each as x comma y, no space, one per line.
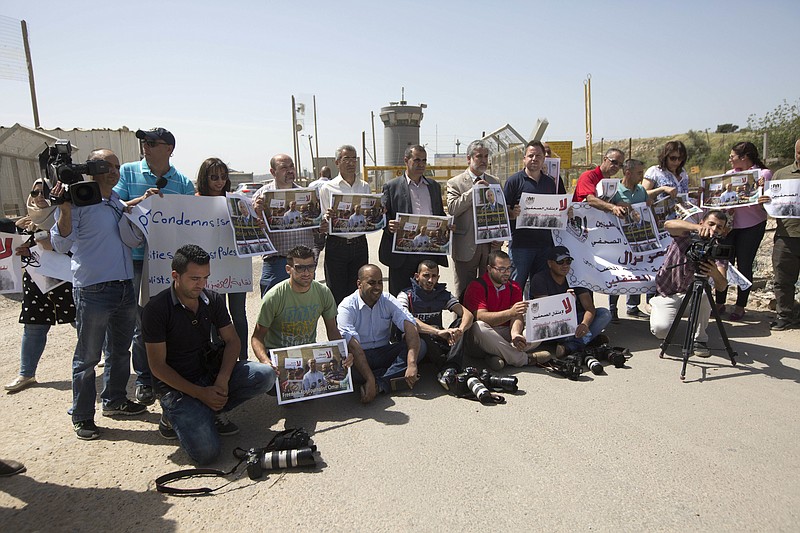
695,246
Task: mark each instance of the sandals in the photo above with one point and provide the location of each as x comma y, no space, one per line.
736,316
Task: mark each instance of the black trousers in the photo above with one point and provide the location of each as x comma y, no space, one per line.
746,241
343,258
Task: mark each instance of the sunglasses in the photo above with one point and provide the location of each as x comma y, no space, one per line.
152,144
35,193
614,162
567,261
214,177
674,158
305,268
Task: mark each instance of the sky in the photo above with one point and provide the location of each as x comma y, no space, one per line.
220,75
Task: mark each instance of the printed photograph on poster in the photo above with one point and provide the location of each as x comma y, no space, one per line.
311,371
543,211
248,231
490,213
639,228
552,167
785,198
423,234
727,191
668,208
10,263
607,188
551,317
356,214
291,209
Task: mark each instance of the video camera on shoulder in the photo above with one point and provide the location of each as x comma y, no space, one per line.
702,249
56,164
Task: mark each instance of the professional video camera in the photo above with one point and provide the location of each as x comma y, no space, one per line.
703,249
56,164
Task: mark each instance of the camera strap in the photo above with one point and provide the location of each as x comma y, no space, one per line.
162,482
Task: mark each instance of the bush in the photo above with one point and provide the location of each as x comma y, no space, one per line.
782,126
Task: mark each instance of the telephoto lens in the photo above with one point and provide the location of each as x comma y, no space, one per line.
282,459
480,391
505,383
594,365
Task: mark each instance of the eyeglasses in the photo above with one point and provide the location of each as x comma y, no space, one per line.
35,193
305,268
567,261
503,270
614,162
674,158
214,177
152,144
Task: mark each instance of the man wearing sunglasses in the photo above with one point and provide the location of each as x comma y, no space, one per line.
139,180
591,320
291,309
585,189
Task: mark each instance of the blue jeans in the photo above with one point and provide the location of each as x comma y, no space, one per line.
237,308
139,353
34,339
632,302
601,320
527,263
273,271
388,362
193,421
104,310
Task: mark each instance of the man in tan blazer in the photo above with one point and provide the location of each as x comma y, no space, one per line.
470,258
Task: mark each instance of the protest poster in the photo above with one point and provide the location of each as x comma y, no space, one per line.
543,211
607,188
10,263
668,208
356,214
550,317
552,167
603,260
490,214
291,209
639,228
311,371
49,269
727,191
423,234
174,220
249,234
784,198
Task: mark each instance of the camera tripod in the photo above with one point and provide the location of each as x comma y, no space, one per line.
698,288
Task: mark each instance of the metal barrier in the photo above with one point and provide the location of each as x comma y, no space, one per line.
378,176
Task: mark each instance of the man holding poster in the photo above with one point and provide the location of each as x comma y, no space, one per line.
470,259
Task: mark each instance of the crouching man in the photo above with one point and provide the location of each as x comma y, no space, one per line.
177,325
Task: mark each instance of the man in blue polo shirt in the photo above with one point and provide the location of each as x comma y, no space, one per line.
105,307
139,180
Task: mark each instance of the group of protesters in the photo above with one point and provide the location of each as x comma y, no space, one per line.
189,349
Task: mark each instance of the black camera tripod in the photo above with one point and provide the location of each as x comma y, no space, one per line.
699,287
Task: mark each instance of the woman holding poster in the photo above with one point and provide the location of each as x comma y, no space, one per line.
213,180
749,224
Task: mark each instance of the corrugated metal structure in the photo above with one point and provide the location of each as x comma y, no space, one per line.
19,156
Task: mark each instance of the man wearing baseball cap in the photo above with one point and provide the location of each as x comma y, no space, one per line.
139,180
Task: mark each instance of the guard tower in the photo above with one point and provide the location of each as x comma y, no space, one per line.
401,129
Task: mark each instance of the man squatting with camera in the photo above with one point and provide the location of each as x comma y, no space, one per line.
193,386
676,275
105,308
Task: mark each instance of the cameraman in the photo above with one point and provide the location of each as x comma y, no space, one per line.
102,271
676,275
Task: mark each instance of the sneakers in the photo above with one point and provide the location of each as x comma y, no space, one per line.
495,362
165,428
615,316
19,383
447,378
86,430
636,313
10,468
144,395
126,408
701,349
224,426
780,324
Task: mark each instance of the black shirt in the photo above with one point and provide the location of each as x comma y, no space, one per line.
544,284
187,334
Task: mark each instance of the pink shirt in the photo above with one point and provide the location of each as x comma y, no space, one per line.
420,197
747,217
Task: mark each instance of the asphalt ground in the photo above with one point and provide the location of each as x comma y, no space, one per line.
635,449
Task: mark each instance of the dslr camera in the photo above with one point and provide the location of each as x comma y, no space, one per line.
709,249
56,164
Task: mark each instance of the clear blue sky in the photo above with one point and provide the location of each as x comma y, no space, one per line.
220,75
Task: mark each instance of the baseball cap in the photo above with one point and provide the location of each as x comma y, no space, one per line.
559,253
156,134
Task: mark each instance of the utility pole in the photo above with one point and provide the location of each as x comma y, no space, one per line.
30,74
587,104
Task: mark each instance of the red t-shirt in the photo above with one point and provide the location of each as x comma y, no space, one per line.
587,184
491,298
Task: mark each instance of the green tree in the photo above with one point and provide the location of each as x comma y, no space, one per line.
726,128
782,126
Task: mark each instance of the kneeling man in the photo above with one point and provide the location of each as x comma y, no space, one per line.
177,325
